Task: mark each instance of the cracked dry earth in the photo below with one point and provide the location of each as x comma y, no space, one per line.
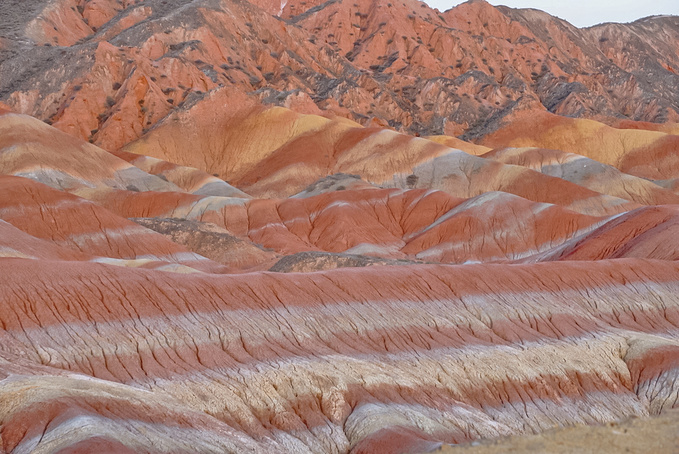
217,236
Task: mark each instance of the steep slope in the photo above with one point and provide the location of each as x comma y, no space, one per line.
669,128
395,224
649,232
17,243
328,361
187,179
494,226
108,71
491,226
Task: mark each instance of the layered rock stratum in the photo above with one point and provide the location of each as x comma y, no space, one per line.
351,226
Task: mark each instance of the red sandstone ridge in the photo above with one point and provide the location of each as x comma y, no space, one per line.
112,70
210,331
278,152
347,226
639,152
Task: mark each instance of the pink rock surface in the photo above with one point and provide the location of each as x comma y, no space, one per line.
331,357
352,226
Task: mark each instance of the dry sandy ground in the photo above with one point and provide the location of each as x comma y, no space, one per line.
658,435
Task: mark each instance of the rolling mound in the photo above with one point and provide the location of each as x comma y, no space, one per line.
291,151
31,149
642,153
308,343
586,172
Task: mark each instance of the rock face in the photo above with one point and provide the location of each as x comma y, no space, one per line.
223,239
109,70
330,362
209,241
305,262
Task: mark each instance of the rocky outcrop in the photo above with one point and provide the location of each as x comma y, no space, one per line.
108,71
305,262
211,241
